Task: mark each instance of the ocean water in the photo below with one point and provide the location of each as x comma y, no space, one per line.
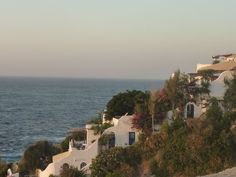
33,109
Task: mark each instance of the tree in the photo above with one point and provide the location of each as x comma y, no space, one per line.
3,168
100,128
207,76
152,110
78,136
176,89
142,122
114,161
230,94
152,106
38,156
123,103
124,171
214,112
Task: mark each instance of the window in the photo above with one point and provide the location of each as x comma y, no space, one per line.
82,165
131,138
112,140
190,110
65,166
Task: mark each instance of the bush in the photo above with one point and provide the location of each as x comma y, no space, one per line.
156,170
3,169
114,161
124,171
77,136
123,103
37,156
100,128
185,148
230,94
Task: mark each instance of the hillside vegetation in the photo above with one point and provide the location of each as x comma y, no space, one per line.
185,148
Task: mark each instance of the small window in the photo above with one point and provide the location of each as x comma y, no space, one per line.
82,165
190,111
131,138
65,166
112,140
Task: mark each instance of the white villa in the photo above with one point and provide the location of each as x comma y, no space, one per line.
223,69
226,57
122,134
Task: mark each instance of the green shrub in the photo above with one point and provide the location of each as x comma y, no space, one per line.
124,171
114,161
78,136
125,102
37,156
3,168
100,128
156,170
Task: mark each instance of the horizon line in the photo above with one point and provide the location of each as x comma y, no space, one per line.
71,77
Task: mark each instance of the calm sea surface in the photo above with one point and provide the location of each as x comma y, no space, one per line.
33,109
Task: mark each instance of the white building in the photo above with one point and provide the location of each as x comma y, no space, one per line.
218,86
222,71
123,134
226,57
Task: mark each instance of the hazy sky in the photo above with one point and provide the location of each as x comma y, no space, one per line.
113,38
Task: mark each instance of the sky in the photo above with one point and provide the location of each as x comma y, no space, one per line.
131,39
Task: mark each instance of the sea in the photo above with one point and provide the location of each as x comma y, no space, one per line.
33,109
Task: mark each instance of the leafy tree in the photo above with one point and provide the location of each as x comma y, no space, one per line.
123,103
105,139
156,170
207,76
100,128
214,112
152,106
124,171
230,94
142,122
3,168
77,136
37,156
113,161
176,89
156,107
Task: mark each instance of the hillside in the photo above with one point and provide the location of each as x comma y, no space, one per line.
187,147
183,149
